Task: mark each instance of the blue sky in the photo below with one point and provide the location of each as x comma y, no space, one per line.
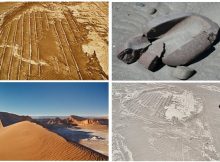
54,99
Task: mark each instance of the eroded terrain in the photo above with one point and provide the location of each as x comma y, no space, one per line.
166,122
89,132
54,41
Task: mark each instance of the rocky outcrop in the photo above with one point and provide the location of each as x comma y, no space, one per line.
76,120
9,119
72,120
56,121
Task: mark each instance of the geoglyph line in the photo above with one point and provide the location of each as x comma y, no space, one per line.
31,24
1,33
35,35
73,57
99,8
41,24
30,52
12,51
4,48
60,44
35,25
71,16
3,41
46,20
75,23
22,48
70,28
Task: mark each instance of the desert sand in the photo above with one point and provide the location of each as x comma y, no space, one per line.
166,122
130,19
89,132
54,41
29,141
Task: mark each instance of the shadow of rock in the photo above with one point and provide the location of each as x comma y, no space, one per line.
207,52
203,55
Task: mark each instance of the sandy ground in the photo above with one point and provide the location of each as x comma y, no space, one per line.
29,141
54,41
94,137
129,19
166,122
91,132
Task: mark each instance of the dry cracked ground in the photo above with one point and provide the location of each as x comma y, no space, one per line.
166,122
54,41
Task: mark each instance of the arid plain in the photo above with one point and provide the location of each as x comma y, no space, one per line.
166,122
54,41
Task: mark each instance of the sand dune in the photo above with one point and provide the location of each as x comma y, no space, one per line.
30,141
91,132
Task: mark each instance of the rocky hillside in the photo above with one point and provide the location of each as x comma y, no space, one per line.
76,120
8,118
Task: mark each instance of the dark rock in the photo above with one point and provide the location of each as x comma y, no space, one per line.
153,11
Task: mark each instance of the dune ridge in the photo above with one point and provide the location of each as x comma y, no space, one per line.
29,141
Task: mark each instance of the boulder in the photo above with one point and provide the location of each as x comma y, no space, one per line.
151,58
183,72
186,35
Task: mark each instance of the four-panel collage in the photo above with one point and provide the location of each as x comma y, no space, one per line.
109,81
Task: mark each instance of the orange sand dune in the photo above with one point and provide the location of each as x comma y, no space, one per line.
29,141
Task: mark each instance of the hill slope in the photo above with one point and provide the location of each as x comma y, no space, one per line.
9,118
76,120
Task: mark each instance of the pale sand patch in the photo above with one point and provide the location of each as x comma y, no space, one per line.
183,107
97,44
16,54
